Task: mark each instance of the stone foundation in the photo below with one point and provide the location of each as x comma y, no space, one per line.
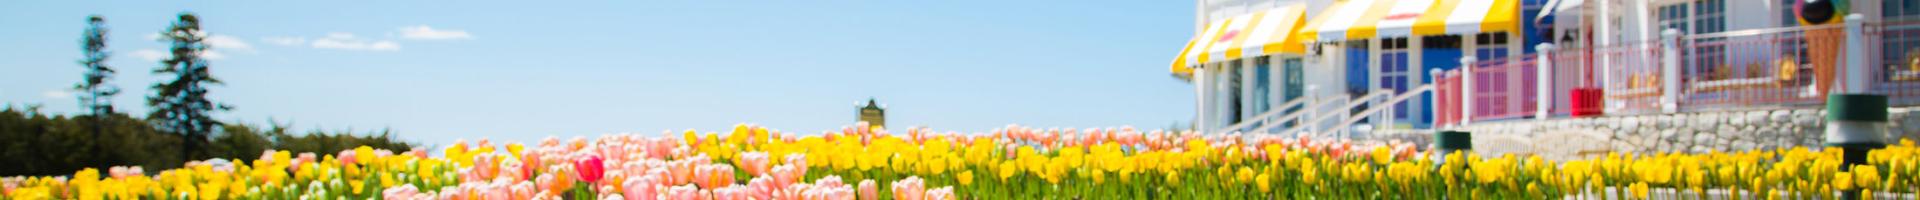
1685,132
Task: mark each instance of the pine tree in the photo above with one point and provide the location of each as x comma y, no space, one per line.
180,106
95,94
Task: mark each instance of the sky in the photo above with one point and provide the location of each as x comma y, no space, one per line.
436,71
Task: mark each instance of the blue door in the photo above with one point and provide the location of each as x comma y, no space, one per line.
1441,53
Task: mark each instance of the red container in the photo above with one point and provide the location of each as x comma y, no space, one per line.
1586,101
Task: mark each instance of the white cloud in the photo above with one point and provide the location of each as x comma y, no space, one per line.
56,94
150,54
423,32
213,55
285,41
347,41
229,43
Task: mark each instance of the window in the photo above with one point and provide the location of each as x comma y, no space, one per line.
1899,9
1787,17
1394,73
1901,43
1262,85
1698,17
1710,60
1673,17
1492,46
1233,92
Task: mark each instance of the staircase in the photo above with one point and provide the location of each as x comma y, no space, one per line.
1328,117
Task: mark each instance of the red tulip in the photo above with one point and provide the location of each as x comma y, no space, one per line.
591,167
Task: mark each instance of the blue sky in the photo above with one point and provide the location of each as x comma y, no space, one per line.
517,70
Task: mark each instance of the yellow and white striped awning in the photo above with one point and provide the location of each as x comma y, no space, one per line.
1362,19
1260,33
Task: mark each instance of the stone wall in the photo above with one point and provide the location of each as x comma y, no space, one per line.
1684,132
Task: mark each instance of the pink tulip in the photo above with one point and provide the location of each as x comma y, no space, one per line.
117,172
523,190
785,175
761,187
679,172
513,169
703,176
304,158
829,181
733,192
591,168
403,191
643,187
911,188
942,193
755,163
684,192
714,175
799,161
869,190
346,157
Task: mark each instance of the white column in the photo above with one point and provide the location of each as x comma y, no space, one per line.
1222,97
1466,90
1670,71
1856,55
1543,80
1200,118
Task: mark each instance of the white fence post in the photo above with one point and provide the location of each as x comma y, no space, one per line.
1670,71
1856,55
1466,90
1438,89
1543,81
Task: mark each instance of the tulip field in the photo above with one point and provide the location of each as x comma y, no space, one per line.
859,162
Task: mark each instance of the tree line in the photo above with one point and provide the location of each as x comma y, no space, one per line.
179,127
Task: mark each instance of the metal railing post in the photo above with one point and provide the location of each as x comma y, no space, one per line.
1670,71
1466,90
1543,86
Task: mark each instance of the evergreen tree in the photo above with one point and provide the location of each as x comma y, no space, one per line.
96,96
180,106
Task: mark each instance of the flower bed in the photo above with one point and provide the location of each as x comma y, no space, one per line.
751,162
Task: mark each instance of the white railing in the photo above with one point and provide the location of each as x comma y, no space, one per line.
1267,118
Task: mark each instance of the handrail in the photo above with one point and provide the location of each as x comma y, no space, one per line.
1298,114
1264,116
1760,31
1397,99
1349,106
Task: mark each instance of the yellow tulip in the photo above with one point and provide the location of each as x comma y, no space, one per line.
1007,170
1639,190
1867,176
1265,182
1843,181
965,177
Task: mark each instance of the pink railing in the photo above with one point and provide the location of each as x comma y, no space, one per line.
1505,88
1735,70
1757,69
1447,96
1632,77
1894,60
